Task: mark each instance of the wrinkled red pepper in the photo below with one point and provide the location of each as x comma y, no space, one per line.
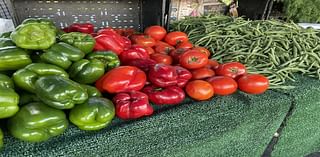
87,28
127,43
143,64
132,105
107,42
162,75
165,96
117,37
136,52
184,76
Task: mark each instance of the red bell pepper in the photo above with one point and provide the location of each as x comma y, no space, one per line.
107,42
143,64
169,95
117,37
87,28
122,79
127,43
184,76
136,52
132,105
163,75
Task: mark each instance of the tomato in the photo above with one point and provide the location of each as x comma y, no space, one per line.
156,32
144,40
212,64
176,54
199,90
223,85
174,38
161,58
149,50
163,48
185,45
202,73
231,69
203,50
253,83
193,59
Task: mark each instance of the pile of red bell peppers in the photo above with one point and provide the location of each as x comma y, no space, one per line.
161,68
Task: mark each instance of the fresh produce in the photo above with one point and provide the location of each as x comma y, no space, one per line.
302,11
199,90
108,58
273,48
1,139
132,105
212,64
136,52
5,35
36,122
183,76
143,64
60,92
176,54
203,50
92,91
253,83
13,58
26,78
62,55
87,28
174,38
170,95
202,73
122,79
223,85
105,42
156,32
163,75
34,34
4,42
162,47
26,98
86,71
162,58
231,69
96,113
193,59
144,40
9,99
185,45
84,42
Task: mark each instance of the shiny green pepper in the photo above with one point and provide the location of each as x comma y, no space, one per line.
36,122
86,71
34,36
5,35
82,41
108,58
4,42
13,58
25,78
1,138
92,91
62,55
9,99
96,113
60,92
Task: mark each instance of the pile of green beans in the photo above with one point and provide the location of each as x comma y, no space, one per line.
273,48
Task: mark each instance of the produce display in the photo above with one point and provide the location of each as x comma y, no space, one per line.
51,77
273,48
302,10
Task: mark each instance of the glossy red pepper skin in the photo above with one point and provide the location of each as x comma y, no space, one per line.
162,75
107,42
122,79
87,28
132,105
127,43
143,64
117,37
171,95
184,76
133,53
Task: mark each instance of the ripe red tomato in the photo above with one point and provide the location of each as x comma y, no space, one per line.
199,90
202,73
161,58
193,59
212,64
174,38
163,48
176,54
185,45
231,69
144,40
253,83
203,50
156,32
223,85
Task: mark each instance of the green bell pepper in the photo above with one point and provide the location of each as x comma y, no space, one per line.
85,71
37,122
4,42
62,55
92,91
9,99
108,58
26,98
34,36
1,138
5,35
13,58
25,78
38,20
60,92
96,113
82,41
